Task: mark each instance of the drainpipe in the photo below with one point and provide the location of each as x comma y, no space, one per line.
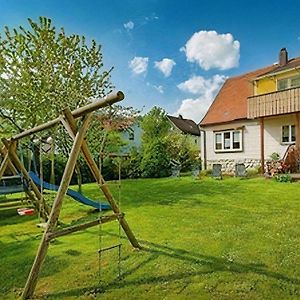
204,163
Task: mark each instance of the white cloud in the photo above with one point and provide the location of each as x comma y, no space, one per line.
159,88
200,85
165,66
138,64
205,89
212,50
129,25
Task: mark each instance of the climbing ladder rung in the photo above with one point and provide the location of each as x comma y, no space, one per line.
109,248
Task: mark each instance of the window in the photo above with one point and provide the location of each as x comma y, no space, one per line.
282,84
131,135
227,141
288,134
287,83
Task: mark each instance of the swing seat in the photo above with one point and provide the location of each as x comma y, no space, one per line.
13,189
25,211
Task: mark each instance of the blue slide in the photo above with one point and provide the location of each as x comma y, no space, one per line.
75,195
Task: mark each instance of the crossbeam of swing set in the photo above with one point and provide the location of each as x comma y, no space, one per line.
79,112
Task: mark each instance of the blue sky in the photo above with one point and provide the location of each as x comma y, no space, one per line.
173,54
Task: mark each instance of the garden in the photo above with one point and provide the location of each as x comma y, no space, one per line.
202,238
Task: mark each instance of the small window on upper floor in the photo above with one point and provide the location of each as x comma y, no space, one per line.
282,84
286,83
131,135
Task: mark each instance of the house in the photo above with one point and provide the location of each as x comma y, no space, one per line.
132,137
187,127
254,115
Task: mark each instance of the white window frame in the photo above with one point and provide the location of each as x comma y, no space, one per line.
290,134
289,81
231,149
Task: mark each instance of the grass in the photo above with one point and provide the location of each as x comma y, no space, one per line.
202,239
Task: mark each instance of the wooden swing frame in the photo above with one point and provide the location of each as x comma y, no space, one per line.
77,133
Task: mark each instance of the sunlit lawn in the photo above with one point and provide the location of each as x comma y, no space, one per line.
202,239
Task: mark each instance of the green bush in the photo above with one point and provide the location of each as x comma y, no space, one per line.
206,172
283,178
156,161
252,172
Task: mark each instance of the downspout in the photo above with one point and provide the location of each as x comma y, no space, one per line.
204,148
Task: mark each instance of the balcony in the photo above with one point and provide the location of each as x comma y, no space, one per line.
275,103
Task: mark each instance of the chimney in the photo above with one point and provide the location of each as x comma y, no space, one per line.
283,57
180,117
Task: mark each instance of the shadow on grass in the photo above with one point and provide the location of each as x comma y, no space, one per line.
197,263
16,261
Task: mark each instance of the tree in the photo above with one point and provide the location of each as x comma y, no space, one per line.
160,144
43,70
155,157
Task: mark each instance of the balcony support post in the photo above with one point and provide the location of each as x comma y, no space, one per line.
298,131
262,144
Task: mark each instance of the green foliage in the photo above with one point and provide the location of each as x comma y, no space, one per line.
156,160
275,156
182,148
155,157
252,172
43,70
206,173
160,145
155,125
132,166
283,178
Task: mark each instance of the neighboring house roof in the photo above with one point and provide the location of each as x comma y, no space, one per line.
231,102
185,125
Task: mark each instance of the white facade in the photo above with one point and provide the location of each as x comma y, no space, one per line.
250,153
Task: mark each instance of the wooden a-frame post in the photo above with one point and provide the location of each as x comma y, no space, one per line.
55,211
99,179
79,144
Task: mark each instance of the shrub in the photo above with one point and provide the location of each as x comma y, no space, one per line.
252,172
155,161
283,178
206,172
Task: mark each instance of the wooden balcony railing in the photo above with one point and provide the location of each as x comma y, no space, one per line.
275,103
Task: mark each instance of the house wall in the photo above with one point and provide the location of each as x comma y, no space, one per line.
250,155
273,132
136,142
264,86
269,84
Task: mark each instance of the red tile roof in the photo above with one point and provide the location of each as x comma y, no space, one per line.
231,102
292,63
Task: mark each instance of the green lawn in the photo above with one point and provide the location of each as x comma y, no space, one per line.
202,239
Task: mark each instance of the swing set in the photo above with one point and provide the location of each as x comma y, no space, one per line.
77,130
